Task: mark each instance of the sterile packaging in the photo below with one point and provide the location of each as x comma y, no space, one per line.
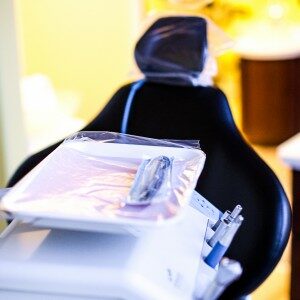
85,183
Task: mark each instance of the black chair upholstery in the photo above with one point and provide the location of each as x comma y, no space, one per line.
233,173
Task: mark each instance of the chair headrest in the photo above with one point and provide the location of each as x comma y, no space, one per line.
173,49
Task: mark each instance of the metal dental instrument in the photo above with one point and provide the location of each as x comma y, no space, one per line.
224,216
229,216
152,176
3,213
221,246
236,211
220,231
3,191
229,271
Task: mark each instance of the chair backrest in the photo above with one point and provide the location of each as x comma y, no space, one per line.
233,173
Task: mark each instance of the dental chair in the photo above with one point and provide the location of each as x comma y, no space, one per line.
233,173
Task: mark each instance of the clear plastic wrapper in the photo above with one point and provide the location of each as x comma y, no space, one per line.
180,49
90,175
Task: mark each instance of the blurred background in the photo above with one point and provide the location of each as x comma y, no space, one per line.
62,60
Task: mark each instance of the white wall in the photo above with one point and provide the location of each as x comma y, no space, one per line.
12,134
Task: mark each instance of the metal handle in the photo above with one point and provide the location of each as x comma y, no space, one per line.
3,213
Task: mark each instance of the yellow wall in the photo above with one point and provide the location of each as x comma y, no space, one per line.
84,46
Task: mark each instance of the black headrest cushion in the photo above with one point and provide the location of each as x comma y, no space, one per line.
173,45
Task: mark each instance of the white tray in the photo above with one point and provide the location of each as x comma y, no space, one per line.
16,201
